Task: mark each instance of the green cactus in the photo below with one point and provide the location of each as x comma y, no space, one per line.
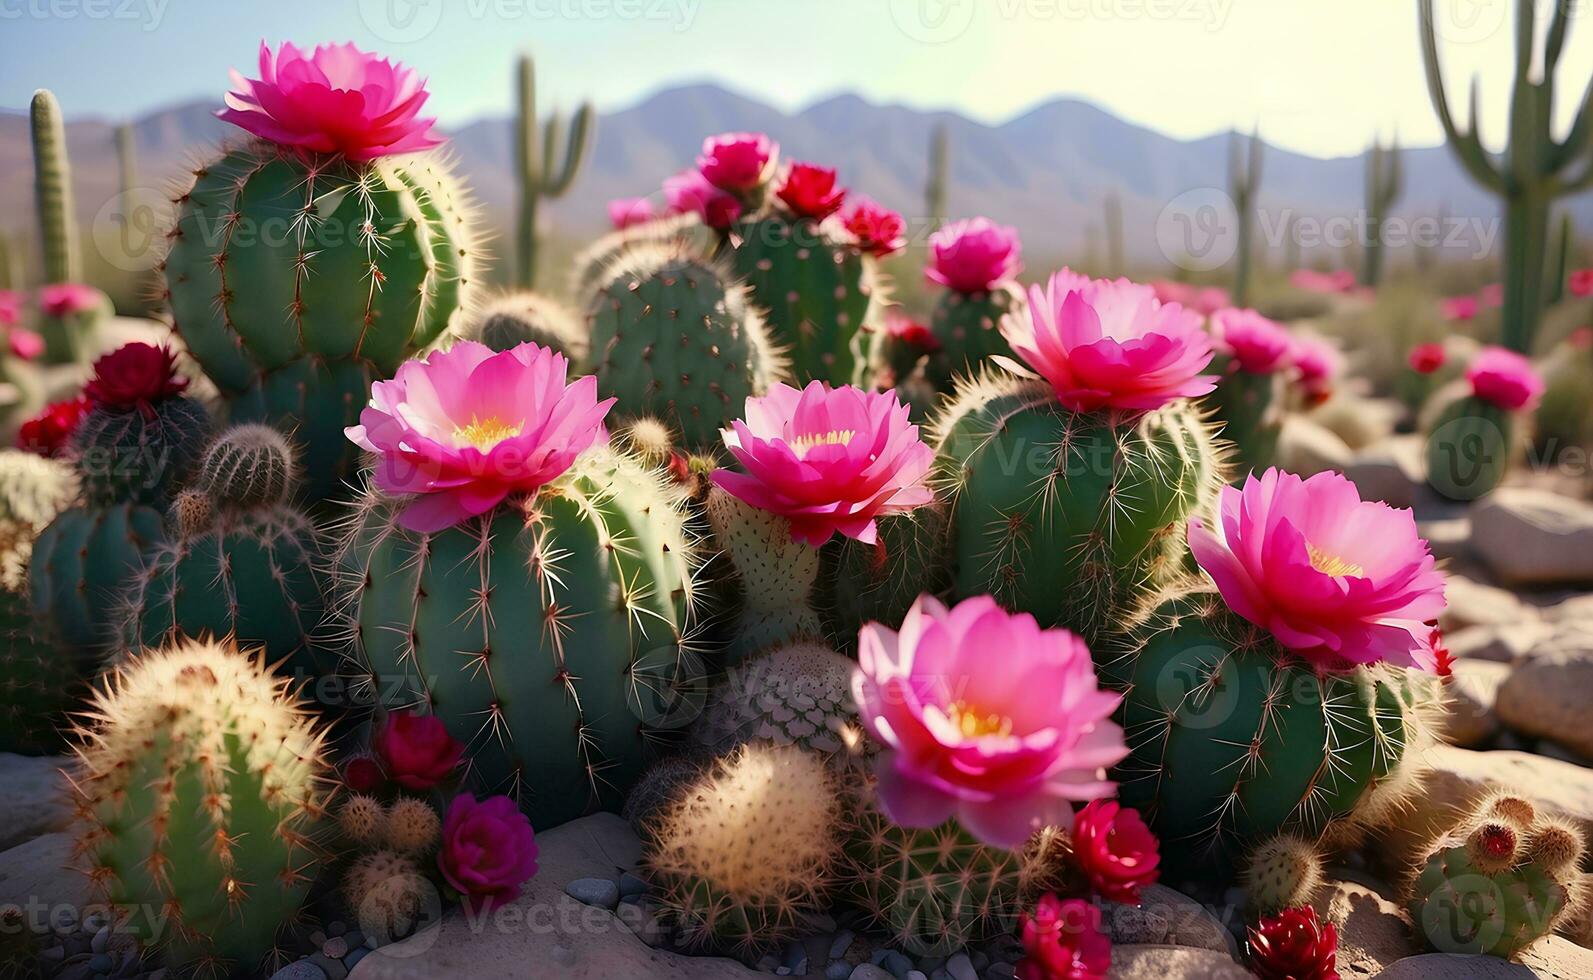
1535,168
242,563
937,184
1250,408
126,158
594,264
879,582
1233,740
1471,443
200,787
1564,421
67,338
139,455
818,291
1503,879
296,281
776,577
1559,268
535,164
674,337
1244,183
526,317
580,599
968,327
799,694
1284,872
38,686
33,490
1116,263
1072,517
1384,180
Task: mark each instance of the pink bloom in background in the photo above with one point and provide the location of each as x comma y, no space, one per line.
488,850
1204,300
10,307
625,212
67,298
1105,343
1491,296
972,256
827,459
1339,580
909,331
1115,850
689,193
737,162
50,432
810,192
1458,309
1580,282
416,751
878,230
1427,358
985,717
24,344
339,99
1256,344
1506,379
1581,338
464,428
1342,281
1319,365
1063,940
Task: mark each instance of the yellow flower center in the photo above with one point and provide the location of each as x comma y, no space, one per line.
1332,564
802,445
486,433
973,723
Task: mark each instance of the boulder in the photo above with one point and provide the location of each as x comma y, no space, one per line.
1448,539
1393,471
1499,644
34,800
1167,962
1373,931
1548,696
1470,693
1559,959
1306,448
1472,603
39,877
1534,537
1166,918
1450,966
1577,609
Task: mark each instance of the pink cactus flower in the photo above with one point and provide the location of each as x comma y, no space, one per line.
1256,344
1318,365
1204,300
464,428
1311,281
878,230
1427,358
339,99
827,459
1491,296
972,256
1506,379
1006,751
810,191
1580,282
737,162
626,212
689,192
68,298
909,331
1338,580
10,307
1458,309
1105,343
1063,940
24,344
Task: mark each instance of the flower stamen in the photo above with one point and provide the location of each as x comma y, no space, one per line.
804,444
486,433
974,723
1332,564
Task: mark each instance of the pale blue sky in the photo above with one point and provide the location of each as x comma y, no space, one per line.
1320,75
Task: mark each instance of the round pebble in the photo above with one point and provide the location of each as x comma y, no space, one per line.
842,943
630,884
599,892
838,970
961,968
336,947
300,970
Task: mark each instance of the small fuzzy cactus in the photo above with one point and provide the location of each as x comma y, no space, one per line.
248,465
1282,873
776,577
388,894
130,455
361,819
661,785
968,328
799,695
411,826
1504,878
529,318
200,786
746,852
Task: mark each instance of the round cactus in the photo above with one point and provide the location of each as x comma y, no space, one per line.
200,791
296,280
1233,740
746,852
968,327
139,456
1470,445
38,686
411,826
674,337
361,819
660,785
388,894
594,264
1071,517
1282,873
248,465
775,574
799,695
1564,420
33,490
879,582
529,318
553,634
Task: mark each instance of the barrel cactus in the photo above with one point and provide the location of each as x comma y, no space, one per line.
1475,433
799,694
1564,420
593,265
200,790
526,317
879,582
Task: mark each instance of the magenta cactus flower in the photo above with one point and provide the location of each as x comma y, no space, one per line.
1204,300
810,191
464,428
1109,344
1336,579
688,192
827,459
1506,379
10,307
986,717
737,162
338,99
972,256
68,298
1256,344
1458,309
1318,365
879,230
625,212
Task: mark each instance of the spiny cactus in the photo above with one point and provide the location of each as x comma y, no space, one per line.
968,327
554,634
1244,184
525,317
1384,180
248,465
1471,443
200,789
1072,517
38,686
594,264
33,490
817,290
1504,878
361,819
775,575
746,852
938,182
800,694
674,337
1250,407
879,582
1559,269
1535,167
1563,424
388,894
139,455
663,783
66,338
534,159
296,281
1284,872
411,826
1233,741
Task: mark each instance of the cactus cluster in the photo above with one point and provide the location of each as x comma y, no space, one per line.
407,825
529,318
33,490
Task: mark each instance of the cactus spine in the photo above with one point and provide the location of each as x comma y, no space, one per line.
200,788
526,317
776,576
552,634
1534,169
52,192
879,582
539,173
938,182
1384,180
1244,183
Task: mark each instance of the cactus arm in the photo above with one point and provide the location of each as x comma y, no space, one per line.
935,185
52,188
580,141
1465,141
536,168
1581,134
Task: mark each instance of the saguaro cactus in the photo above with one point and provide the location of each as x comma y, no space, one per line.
939,176
52,192
1534,169
1244,179
126,158
534,161
1384,180
1114,235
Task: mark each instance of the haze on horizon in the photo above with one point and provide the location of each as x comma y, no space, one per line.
1319,78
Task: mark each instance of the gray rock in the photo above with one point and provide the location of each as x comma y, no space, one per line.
1547,696
920,975
1534,537
1169,962
896,963
1001,971
336,947
1471,603
1307,448
1551,959
838,970
299,970
1373,931
795,959
842,941
1165,917
868,971
1576,609
40,877
601,892
1471,693
1499,644
1448,539
630,884
35,800
961,967
1393,471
